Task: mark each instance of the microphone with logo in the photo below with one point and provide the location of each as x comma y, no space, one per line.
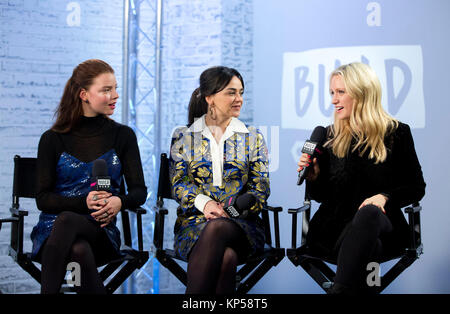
100,181
312,147
239,206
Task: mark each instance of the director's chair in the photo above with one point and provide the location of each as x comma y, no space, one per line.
253,269
322,274
24,186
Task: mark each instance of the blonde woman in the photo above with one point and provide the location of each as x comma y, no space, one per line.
368,171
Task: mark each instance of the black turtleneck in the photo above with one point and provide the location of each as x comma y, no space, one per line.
88,140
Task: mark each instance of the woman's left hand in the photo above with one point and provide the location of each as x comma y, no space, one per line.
378,200
110,210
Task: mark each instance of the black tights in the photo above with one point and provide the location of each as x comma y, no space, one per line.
361,246
213,261
74,238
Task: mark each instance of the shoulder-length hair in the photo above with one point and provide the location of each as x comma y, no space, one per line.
70,108
369,122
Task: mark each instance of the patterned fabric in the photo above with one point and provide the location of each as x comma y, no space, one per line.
245,169
73,179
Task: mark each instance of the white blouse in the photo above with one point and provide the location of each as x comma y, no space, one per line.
235,126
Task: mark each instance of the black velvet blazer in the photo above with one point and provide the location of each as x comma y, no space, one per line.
344,183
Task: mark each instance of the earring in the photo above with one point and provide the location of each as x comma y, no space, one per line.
212,112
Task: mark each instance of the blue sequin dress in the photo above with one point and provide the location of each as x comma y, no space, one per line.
73,179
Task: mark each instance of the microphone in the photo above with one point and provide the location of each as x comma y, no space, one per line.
238,206
313,148
100,181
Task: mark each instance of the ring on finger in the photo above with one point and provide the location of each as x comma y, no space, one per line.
94,198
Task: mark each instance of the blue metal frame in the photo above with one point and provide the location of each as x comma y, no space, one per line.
141,111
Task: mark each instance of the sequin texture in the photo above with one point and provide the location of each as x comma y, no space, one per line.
73,178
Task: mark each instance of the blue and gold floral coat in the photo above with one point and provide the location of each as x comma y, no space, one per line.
245,169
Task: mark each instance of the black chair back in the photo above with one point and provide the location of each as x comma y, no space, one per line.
164,186
24,181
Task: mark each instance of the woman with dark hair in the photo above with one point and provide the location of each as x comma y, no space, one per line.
367,172
76,224
217,157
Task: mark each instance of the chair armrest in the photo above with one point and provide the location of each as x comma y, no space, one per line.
415,237
264,213
300,209
414,208
274,208
158,233
10,219
18,212
137,210
306,211
17,227
161,211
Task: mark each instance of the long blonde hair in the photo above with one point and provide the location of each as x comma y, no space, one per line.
369,122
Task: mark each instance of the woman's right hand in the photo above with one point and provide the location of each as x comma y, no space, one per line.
314,171
95,200
214,210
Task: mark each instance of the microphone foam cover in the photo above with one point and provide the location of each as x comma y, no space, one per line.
319,135
99,168
245,202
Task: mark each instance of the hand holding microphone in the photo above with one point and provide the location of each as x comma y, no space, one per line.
238,206
234,207
100,186
305,161
105,205
214,210
310,151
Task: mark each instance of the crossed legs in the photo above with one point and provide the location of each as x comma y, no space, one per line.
360,246
214,259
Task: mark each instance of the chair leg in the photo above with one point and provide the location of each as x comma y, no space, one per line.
247,269
109,269
170,264
271,261
130,265
121,276
395,271
244,287
30,268
318,271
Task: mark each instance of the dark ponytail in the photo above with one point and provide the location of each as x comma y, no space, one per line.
197,106
212,81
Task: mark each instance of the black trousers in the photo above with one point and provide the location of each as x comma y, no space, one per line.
361,245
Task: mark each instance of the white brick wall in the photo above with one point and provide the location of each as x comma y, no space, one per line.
38,51
198,34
